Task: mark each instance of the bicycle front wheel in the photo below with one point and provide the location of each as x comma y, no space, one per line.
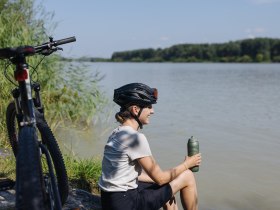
48,140
29,176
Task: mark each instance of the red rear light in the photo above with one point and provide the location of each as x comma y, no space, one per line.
21,75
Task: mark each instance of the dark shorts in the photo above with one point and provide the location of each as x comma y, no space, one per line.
147,196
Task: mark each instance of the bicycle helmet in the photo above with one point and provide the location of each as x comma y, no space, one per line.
135,94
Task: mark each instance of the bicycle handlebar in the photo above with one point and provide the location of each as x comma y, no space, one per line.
52,43
7,53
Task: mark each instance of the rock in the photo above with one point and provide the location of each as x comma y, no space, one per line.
77,200
7,199
82,200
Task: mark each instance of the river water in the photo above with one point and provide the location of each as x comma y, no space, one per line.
232,109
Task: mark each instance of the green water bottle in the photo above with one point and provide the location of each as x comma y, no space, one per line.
193,148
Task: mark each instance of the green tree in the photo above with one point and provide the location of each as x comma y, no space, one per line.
259,57
275,51
245,59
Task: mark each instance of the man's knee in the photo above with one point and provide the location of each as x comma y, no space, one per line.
188,177
185,179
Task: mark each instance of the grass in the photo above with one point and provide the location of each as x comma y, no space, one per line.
83,173
7,167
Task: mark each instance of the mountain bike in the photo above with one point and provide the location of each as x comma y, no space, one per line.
41,177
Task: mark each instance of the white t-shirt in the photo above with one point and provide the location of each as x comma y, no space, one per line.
120,168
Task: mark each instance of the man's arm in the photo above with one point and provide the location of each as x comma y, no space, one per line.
161,177
144,177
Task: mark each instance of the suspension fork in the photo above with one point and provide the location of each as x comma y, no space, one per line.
17,100
16,95
37,100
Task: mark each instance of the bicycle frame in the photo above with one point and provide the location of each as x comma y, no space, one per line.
23,94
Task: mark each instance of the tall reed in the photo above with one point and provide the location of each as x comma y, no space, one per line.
70,97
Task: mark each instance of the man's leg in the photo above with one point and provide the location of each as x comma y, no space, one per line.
185,183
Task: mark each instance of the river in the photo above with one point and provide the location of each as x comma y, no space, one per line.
232,109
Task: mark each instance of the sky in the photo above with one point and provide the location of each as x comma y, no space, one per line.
103,27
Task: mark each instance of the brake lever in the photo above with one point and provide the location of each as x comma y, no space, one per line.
47,52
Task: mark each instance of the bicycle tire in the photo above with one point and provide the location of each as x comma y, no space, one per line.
57,158
48,139
29,176
12,127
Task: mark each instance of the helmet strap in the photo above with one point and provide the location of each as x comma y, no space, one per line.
137,117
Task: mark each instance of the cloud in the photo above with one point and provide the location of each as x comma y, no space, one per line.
254,32
264,1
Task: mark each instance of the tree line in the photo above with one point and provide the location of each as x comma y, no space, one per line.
247,50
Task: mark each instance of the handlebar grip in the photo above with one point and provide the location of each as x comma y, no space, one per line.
6,53
65,41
